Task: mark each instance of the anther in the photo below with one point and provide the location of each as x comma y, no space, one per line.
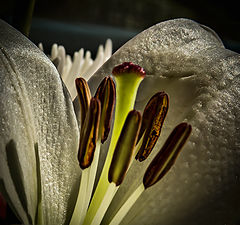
89,134
166,157
84,96
152,121
106,95
124,148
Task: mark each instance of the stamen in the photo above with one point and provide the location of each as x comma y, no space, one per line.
157,169
84,96
120,162
166,157
106,95
124,148
89,134
152,121
88,160
85,189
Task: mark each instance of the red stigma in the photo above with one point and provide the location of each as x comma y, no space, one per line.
128,67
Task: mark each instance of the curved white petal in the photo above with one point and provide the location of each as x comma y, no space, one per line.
36,119
189,62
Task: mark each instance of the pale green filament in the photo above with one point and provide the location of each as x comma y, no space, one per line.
111,191
126,90
92,176
122,212
85,188
136,149
79,207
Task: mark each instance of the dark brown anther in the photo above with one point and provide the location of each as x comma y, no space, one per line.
166,157
89,134
124,149
152,121
84,96
106,95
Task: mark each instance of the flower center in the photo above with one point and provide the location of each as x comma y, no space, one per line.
133,135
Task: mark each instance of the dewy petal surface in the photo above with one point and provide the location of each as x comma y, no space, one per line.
36,114
188,62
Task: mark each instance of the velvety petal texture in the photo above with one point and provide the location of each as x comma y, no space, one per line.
188,62
38,133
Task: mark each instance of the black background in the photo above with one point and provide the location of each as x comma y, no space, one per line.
87,23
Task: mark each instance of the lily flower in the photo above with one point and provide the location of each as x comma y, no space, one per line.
39,141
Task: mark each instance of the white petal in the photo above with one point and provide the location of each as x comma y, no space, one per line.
67,67
40,45
61,56
95,65
108,50
189,62
87,64
36,114
73,73
100,50
54,51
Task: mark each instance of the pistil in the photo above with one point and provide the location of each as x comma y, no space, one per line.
128,78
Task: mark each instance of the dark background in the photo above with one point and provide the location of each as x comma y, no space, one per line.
87,23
